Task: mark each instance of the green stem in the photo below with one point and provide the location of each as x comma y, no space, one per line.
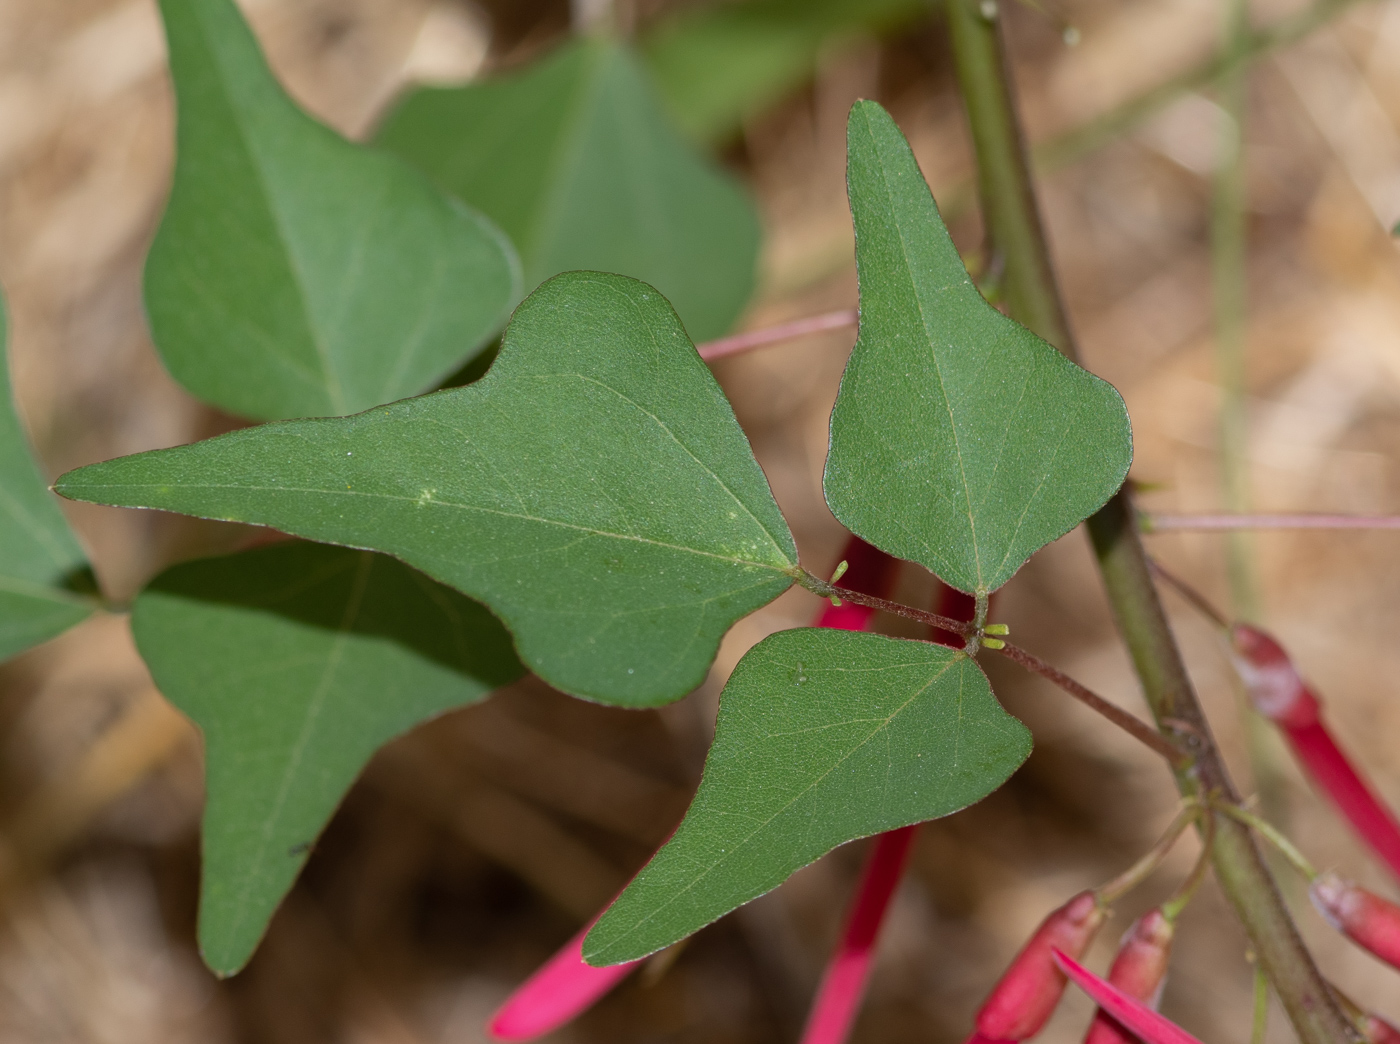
1010,210
1228,259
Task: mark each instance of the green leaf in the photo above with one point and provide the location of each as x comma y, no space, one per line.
823,736
296,274
593,488
297,661
717,65
959,440
37,550
576,160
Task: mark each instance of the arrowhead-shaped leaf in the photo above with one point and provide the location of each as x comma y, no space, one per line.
960,440
296,274
37,550
297,661
576,160
593,488
823,736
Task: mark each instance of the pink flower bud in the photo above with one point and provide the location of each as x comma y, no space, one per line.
1139,970
1140,1020
1363,917
1280,695
1026,995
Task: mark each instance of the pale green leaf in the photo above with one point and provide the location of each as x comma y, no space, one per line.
296,274
37,551
594,489
297,661
576,160
823,736
960,440
718,65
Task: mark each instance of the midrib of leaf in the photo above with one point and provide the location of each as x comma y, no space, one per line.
33,527
884,724
313,712
435,502
937,365
1030,501
414,340
567,153
34,589
284,111
651,333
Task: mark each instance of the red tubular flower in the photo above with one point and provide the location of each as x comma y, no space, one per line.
565,987
1139,970
843,983
1135,1016
562,989
1280,694
1363,917
1023,999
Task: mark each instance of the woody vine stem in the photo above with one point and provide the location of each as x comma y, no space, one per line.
1012,221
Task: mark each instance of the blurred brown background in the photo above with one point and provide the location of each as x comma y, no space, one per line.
475,846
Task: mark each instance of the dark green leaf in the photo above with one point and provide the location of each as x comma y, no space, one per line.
37,550
720,64
576,160
593,488
823,736
960,440
296,274
297,661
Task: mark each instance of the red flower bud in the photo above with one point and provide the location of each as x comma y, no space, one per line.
1139,970
1144,1023
1363,917
1280,695
1275,687
1378,1031
1025,996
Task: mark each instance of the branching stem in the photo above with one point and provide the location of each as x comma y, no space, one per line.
1132,725
818,586
1141,870
750,339
1012,217
1199,601
1271,834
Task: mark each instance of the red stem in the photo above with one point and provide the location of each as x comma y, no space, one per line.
1162,523
743,342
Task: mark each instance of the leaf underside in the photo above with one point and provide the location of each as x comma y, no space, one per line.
297,661
576,160
960,440
594,489
823,736
37,549
296,274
